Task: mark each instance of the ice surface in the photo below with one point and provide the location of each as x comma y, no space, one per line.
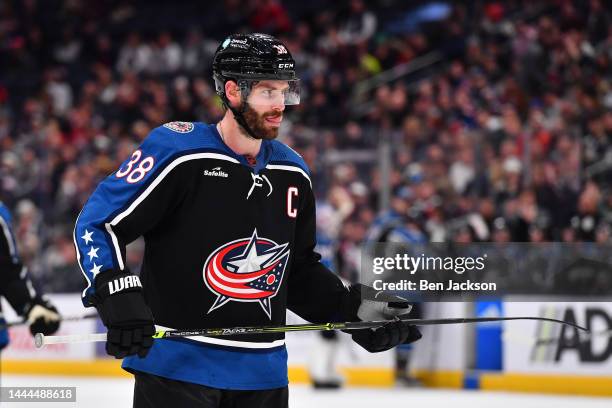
97,392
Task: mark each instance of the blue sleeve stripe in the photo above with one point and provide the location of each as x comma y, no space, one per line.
78,254
288,166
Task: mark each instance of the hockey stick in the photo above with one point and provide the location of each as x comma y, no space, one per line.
41,340
532,341
8,325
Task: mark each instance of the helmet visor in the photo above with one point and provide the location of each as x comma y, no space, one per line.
272,92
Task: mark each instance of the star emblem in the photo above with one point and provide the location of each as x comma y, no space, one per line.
87,237
93,253
250,260
96,269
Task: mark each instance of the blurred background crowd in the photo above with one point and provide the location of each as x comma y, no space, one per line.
494,119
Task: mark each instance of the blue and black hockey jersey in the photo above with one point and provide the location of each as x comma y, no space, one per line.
226,244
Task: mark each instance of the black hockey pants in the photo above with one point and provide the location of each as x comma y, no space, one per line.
151,391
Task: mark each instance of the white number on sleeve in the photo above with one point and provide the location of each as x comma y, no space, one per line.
134,175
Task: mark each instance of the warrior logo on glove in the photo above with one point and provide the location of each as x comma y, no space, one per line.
246,270
123,283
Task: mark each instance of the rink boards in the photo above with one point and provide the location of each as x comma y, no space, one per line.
448,356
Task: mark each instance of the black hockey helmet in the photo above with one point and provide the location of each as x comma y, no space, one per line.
248,59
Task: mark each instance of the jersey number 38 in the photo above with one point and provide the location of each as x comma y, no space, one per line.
136,169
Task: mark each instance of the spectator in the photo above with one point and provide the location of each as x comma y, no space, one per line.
507,138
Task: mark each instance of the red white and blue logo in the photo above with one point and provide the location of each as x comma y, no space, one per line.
180,127
246,270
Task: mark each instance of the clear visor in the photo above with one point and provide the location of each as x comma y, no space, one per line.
273,92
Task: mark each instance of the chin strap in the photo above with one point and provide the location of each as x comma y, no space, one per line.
239,114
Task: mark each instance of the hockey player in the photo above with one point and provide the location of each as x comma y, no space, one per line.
17,289
228,218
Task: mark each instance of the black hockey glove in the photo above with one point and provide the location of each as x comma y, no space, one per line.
366,304
42,316
125,314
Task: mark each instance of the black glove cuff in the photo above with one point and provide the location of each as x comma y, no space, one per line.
112,283
124,309
119,300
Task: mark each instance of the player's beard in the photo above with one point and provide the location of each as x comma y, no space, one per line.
257,123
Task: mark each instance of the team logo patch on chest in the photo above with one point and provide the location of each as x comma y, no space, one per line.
180,127
246,270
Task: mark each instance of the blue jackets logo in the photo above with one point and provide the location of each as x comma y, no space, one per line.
246,270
